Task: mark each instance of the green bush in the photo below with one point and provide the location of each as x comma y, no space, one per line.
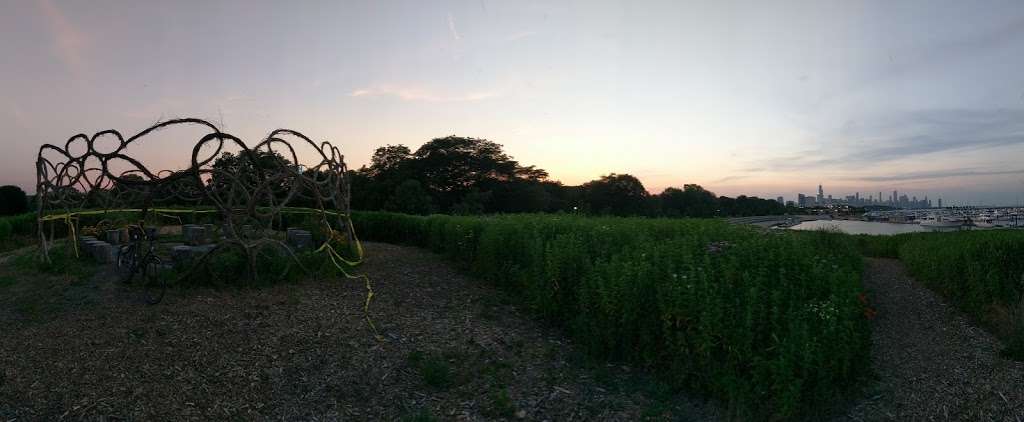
22,224
5,229
881,246
769,323
62,261
981,272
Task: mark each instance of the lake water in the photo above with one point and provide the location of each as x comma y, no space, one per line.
861,227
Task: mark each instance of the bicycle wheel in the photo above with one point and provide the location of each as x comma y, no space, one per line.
156,279
126,264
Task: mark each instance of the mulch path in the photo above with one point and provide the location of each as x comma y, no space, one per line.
91,350
931,363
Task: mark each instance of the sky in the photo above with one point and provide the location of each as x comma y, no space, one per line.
755,98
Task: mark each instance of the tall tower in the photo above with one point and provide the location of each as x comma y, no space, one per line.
821,195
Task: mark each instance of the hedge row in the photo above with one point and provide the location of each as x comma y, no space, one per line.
769,323
981,272
18,225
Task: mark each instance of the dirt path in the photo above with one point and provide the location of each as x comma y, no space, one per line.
931,363
452,349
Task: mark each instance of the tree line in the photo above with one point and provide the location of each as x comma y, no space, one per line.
462,175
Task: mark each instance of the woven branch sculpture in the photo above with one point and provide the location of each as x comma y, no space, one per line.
248,196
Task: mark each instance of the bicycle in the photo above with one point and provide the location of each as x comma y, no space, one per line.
138,255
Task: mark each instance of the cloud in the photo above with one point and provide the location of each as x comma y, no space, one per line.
418,94
520,35
730,178
905,135
69,41
238,98
451,27
941,52
937,174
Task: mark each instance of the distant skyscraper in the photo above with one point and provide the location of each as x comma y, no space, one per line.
940,202
780,200
801,200
821,195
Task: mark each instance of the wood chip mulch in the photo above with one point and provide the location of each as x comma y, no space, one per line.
93,351
931,363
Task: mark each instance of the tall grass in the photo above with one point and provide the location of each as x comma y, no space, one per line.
981,272
769,323
18,225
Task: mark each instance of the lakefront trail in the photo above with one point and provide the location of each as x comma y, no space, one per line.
931,362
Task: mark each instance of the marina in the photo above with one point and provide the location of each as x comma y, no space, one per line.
920,220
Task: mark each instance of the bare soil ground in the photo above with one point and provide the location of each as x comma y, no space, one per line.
451,349
931,362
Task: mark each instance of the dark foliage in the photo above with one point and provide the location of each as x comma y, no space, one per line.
466,176
12,200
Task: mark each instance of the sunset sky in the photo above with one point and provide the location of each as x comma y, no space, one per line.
757,98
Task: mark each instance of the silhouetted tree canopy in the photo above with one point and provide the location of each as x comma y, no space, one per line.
461,175
410,198
12,200
616,194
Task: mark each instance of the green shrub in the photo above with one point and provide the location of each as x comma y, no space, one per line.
434,369
22,224
501,405
769,323
881,246
62,261
981,272
5,229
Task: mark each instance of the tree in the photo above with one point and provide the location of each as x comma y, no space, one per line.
473,203
410,198
233,173
450,167
691,201
519,195
617,194
388,159
12,200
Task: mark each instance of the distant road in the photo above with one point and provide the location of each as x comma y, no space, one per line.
771,220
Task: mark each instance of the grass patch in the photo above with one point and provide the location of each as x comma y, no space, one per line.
433,369
500,405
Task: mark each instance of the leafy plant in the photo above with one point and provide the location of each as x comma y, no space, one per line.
769,323
980,272
432,368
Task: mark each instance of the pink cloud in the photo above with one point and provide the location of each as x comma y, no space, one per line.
418,94
69,41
